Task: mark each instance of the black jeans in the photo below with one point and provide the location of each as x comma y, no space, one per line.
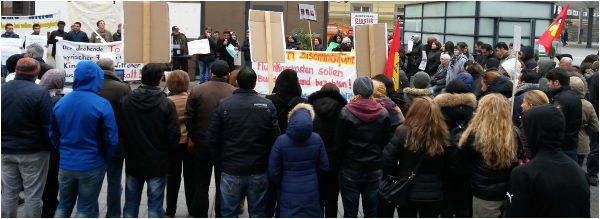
176,158
592,162
49,197
329,190
203,169
457,198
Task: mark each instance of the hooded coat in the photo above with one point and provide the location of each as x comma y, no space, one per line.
363,130
433,61
501,85
534,190
457,63
82,124
286,94
545,67
589,119
412,93
327,106
294,160
521,90
529,57
150,129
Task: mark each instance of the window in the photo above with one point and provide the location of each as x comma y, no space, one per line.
399,12
576,13
413,11
585,14
569,12
17,8
362,7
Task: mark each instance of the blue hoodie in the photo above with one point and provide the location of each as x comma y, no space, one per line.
82,124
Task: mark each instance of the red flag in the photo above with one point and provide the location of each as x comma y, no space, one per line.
392,66
554,30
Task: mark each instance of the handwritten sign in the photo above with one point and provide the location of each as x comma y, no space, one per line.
69,53
199,47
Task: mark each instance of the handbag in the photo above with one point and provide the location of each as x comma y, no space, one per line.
395,190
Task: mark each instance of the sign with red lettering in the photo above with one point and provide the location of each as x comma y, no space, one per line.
315,69
363,18
69,53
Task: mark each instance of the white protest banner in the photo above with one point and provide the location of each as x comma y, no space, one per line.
37,39
10,46
199,47
315,69
363,18
307,12
23,25
133,72
68,54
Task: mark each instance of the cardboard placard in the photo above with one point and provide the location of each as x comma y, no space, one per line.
258,49
517,38
199,47
371,49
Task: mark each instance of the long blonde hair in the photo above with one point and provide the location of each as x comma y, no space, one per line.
427,128
536,97
495,136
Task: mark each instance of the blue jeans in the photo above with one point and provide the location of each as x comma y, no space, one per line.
233,188
114,173
204,70
155,194
355,184
572,153
83,186
592,162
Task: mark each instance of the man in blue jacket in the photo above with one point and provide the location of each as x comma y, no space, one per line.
25,145
76,35
9,31
84,131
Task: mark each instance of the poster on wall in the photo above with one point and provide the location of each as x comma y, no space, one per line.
68,54
363,18
307,12
315,69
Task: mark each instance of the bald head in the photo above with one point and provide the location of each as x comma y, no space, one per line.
106,64
28,66
565,63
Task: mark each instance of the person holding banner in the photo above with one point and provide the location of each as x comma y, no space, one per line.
60,32
9,31
101,33
76,35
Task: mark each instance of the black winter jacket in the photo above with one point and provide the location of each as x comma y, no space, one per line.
486,183
413,59
360,143
570,104
207,58
457,110
26,109
400,162
242,130
149,127
433,61
529,58
327,105
501,85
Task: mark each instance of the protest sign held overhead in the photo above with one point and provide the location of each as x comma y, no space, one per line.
307,12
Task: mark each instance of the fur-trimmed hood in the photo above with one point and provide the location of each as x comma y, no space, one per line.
417,92
453,99
300,122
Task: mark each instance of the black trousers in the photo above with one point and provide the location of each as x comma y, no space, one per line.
50,195
329,190
203,169
180,156
457,199
422,209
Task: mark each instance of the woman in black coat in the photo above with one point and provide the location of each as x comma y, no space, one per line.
457,106
327,104
420,142
286,95
433,58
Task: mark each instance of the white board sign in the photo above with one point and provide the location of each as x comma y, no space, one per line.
69,53
307,12
517,39
199,47
133,71
363,18
10,46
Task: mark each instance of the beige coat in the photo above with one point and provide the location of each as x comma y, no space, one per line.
589,120
180,101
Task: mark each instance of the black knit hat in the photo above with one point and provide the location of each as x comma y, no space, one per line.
220,68
457,86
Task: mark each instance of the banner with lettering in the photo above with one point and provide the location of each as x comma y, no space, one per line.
68,54
363,18
315,69
23,25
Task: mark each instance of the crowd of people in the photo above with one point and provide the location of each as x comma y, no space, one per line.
473,145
